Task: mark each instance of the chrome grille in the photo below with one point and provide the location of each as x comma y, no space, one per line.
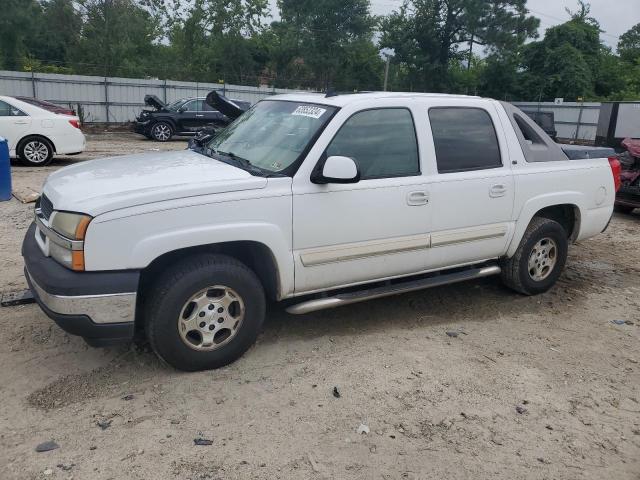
46,207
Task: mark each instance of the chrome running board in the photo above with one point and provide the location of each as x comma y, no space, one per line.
394,289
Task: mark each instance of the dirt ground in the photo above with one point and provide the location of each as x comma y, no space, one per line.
537,388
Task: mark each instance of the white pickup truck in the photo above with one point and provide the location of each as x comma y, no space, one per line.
318,201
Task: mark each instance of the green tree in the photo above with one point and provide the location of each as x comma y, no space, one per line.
219,40
426,35
629,45
329,39
118,38
571,61
57,33
17,25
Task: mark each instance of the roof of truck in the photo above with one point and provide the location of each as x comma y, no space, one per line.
341,100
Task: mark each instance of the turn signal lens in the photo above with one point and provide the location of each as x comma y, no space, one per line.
81,229
77,260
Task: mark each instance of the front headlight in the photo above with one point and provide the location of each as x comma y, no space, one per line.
70,225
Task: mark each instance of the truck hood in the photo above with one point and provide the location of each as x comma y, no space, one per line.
107,184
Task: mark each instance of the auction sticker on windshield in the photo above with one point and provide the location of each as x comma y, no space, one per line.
309,111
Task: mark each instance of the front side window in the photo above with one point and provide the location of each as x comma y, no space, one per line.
381,141
465,139
173,106
7,110
192,106
272,134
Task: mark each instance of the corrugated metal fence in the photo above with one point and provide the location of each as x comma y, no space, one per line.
574,121
113,99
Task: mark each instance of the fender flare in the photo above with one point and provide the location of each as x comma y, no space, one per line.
168,120
577,199
148,249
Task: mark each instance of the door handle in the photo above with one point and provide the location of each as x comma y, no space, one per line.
417,198
497,191
199,115
21,122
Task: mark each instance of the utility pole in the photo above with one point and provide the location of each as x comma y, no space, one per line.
386,72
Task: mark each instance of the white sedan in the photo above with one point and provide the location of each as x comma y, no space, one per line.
35,134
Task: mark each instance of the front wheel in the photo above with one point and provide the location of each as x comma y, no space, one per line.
539,259
162,132
204,312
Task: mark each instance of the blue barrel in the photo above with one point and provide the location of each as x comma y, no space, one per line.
5,171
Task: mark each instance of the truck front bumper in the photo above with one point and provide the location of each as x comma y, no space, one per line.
98,306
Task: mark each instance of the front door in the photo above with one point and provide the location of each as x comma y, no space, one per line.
14,124
473,190
346,234
191,118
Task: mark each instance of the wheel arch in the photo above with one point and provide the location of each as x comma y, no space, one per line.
566,211
168,120
255,255
34,136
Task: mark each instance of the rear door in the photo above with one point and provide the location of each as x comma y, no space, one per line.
473,189
211,116
14,124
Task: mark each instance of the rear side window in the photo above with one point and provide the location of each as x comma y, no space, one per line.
382,141
7,110
528,133
465,139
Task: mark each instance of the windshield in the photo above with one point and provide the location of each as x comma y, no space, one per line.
272,134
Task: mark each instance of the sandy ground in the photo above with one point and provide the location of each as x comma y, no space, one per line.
435,406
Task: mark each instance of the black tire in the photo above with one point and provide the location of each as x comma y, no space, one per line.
161,131
623,209
35,152
168,296
515,270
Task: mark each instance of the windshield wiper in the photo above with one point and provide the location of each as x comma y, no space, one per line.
235,157
241,162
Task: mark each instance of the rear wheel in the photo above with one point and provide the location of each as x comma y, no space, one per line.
204,312
539,259
35,152
162,132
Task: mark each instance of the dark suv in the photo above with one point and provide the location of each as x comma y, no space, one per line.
182,117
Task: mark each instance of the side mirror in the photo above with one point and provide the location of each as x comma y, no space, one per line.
182,109
337,169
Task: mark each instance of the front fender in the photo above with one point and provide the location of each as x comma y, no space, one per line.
534,205
136,240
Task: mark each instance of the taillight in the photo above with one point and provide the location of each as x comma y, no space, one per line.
75,123
616,170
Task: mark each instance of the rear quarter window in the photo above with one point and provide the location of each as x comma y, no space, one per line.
464,138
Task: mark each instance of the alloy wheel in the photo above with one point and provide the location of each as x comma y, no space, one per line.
211,318
543,259
162,132
36,151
